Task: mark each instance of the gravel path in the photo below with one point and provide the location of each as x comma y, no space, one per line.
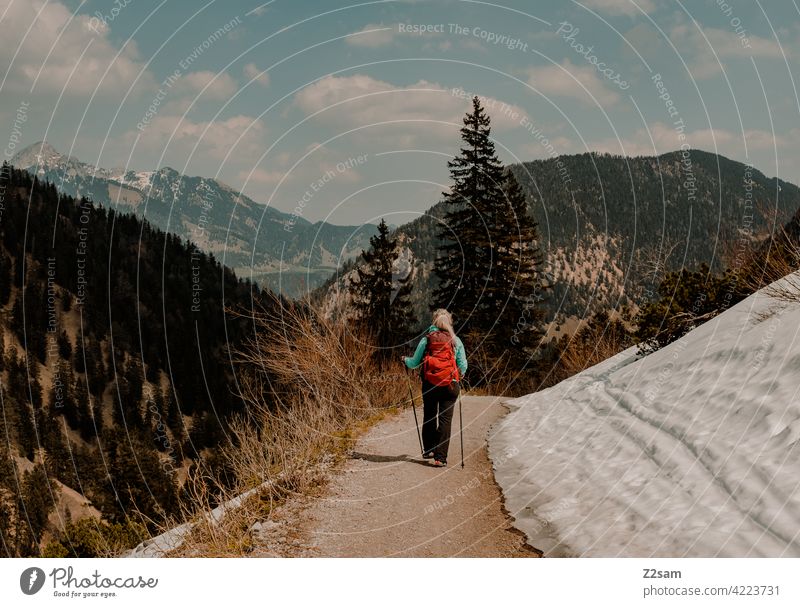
387,501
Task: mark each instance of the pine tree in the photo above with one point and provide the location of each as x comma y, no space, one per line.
5,278
23,425
381,299
489,264
34,504
80,418
80,355
58,461
64,346
517,288
466,259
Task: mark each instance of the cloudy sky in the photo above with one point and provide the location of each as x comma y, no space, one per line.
359,104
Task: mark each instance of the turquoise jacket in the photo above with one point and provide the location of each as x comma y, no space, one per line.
412,362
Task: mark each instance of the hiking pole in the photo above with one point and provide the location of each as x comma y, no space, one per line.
414,409
461,423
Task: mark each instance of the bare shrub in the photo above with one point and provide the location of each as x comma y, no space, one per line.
310,386
760,260
599,339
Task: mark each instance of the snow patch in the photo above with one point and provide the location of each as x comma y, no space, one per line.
690,451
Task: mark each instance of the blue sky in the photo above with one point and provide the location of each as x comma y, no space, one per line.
350,111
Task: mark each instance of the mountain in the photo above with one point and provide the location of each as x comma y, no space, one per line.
689,451
116,340
276,249
611,226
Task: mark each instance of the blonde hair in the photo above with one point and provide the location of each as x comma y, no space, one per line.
442,319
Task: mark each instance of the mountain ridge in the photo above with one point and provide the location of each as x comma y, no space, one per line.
276,249
595,256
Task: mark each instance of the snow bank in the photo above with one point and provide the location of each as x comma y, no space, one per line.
173,539
690,451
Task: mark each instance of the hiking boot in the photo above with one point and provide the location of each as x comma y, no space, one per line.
438,463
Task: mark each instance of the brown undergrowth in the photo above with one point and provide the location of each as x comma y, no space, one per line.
311,386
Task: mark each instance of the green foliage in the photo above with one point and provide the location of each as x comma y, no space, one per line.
89,538
686,300
26,501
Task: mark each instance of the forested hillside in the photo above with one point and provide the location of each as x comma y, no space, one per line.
114,364
612,226
279,250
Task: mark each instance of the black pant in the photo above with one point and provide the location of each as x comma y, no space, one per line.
438,404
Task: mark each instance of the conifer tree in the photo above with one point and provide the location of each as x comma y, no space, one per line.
64,346
466,259
517,288
382,299
34,504
489,264
5,279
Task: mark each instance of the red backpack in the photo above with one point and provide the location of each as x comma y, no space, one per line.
439,365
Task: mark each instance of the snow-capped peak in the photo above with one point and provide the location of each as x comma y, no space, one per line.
40,154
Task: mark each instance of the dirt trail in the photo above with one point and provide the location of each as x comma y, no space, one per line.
387,501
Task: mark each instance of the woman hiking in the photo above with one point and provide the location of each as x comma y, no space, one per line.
444,363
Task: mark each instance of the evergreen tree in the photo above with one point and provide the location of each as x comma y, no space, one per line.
24,426
136,478
80,418
26,516
64,346
80,355
380,298
466,259
95,370
58,461
516,288
9,473
5,278
135,377
489,264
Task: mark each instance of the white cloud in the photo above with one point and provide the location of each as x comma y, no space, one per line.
621,7
242,136
216,85
261,177
252,72
315,162
569,80
371,36
366,100
48,54
698,48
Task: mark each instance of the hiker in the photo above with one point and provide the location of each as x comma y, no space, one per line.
444,363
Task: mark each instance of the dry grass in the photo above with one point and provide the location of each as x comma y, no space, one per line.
600,339
780,259
766,258
311,386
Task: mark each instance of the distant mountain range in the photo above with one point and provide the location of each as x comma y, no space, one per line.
611,226
249,237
